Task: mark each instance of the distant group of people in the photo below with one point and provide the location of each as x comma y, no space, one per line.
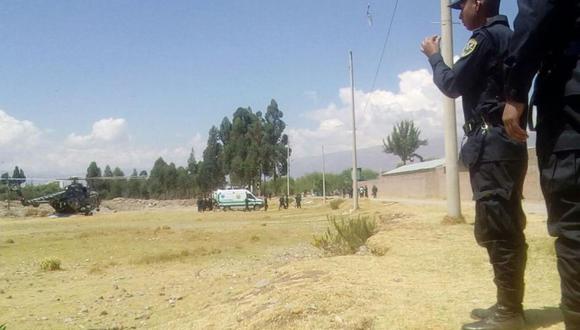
205,204
363,192
284,202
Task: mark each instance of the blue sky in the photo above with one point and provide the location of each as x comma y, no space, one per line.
123,82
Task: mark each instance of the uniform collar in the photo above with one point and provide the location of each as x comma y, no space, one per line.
499,19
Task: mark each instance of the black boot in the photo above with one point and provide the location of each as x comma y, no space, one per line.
483,313
501,319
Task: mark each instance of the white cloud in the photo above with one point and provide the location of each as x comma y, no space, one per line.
42,153
417,99
105,130
108,143
16,133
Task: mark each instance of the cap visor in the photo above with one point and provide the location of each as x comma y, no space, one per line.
455,5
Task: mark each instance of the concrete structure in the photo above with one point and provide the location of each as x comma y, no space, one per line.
427,180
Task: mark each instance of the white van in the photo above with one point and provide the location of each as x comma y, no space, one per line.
236,198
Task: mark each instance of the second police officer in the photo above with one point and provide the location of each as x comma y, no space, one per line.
497,165
546,41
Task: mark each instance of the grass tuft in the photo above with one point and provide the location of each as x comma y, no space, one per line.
450,221
170,256
335,203
345,235
161,228
50,264
10,241
100,268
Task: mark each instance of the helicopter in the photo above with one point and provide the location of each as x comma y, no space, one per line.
75,198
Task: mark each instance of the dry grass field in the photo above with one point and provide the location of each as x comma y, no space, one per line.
174,268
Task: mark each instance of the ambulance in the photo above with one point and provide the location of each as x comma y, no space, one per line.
228,199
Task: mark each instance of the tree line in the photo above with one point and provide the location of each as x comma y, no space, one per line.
247,149
8,185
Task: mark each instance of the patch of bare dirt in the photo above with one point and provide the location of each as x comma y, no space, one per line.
131,204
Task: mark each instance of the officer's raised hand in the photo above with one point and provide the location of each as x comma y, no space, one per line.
430,45
511,120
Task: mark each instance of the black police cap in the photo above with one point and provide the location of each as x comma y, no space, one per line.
493,4
456,4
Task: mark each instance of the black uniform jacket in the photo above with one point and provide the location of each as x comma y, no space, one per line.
547,42
478,77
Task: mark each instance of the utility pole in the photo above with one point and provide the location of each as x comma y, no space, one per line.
354,165
288,170
452,173
323,178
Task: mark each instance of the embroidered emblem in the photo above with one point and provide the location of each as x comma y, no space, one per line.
469,48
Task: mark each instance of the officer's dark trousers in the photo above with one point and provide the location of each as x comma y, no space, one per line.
499,224
560,181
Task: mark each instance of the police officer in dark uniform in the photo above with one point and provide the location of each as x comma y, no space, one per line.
497,164
546,41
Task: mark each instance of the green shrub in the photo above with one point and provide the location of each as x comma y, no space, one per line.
345,235
335,203
3,327
50,264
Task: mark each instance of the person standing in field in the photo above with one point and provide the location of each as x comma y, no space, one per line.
546,42
497,165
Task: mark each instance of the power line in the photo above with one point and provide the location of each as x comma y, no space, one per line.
383,51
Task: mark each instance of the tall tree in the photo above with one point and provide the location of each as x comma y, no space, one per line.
171,180
118,186
105,184
239,159
275,142
192,172
191,163
93,173
134,185
108,173
144,190
211,172
117,172
158,179
18,176
224,134
5,178
184,188
404,140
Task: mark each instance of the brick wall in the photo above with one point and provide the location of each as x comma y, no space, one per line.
431,183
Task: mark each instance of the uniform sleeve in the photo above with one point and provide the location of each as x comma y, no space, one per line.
454,82
531,28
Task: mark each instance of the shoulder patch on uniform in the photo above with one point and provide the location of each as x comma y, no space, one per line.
470,47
